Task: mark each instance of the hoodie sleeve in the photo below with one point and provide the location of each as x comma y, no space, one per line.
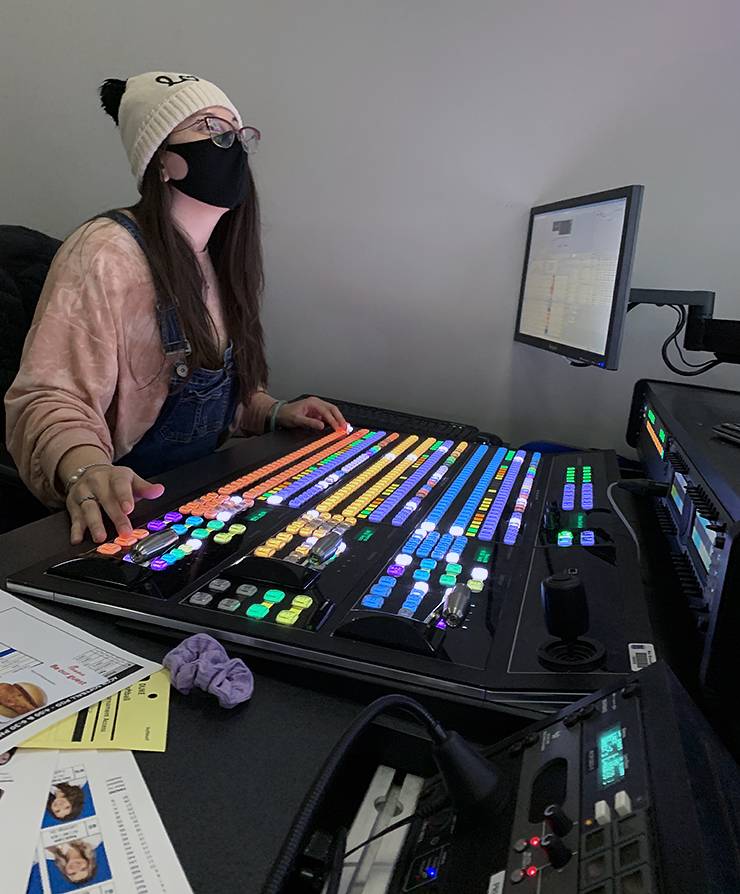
69,368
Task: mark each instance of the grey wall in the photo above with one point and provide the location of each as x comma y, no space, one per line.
404,143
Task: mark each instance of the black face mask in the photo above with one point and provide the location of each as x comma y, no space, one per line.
215,176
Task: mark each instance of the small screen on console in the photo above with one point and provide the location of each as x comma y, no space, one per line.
703,539
611,756
678,491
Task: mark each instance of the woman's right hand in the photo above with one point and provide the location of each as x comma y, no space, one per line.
108,489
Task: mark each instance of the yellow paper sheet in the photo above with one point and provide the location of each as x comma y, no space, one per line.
133,719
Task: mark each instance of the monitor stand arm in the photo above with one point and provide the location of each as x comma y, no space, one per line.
718,337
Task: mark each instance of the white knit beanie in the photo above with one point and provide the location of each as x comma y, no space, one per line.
149,106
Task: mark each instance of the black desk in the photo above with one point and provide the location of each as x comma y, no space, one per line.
230,782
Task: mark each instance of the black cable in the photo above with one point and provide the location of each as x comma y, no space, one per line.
283,865
672,337
683,315
422,812
391,828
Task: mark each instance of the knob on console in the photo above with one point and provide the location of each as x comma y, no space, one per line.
557,820
456,605
556,850
565,606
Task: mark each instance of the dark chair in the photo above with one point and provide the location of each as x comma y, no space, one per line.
25,257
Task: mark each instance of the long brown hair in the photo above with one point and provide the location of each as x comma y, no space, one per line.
73,794
236,251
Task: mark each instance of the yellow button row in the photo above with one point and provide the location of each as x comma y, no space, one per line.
361,480
369,495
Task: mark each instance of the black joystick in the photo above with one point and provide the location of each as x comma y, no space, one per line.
558,820
557,851
566,618
565,606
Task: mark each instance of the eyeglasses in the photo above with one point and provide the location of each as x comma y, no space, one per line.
223,134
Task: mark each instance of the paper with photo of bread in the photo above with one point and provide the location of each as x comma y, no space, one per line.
20,698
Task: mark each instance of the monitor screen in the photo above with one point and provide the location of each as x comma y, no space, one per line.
575,284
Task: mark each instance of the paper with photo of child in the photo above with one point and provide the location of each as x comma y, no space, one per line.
100,832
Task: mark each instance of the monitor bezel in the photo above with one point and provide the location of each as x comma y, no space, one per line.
620,299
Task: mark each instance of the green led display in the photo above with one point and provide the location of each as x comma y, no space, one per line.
365,534
651,415
256,516
661,435
509,456
483,555
611,756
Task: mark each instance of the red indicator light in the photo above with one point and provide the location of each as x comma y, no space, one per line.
531,871
535,841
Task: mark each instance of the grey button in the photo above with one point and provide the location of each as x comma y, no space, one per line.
219,584
229,605
201,598
246,590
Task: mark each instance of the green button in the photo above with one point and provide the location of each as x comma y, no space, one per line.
274,596
200,533
237,528
257,611
215,525
448,580
475,586
178,553
223,537
302,601
454,569
287,616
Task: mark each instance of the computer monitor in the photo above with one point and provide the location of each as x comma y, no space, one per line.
576,278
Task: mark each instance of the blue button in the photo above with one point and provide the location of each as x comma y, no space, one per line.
388,580
588,538
381,590
421,574
428,564
180,529
372,602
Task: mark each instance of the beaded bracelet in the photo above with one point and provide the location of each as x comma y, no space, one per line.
274,410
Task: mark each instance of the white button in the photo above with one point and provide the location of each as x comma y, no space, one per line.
622,803
602,813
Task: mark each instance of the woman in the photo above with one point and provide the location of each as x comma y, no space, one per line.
76,860
65,801
146,350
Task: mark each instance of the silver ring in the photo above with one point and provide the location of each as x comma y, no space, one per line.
88,497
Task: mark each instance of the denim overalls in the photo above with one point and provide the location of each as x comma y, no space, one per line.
196,415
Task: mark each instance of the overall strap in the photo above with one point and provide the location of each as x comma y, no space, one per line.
173,339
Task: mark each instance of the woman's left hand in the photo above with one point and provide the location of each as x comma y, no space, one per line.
311,412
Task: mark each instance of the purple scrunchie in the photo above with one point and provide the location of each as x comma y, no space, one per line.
201,662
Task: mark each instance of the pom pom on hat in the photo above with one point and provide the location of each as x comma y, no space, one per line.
111,93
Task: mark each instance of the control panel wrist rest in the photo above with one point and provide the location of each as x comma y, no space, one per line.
99,570
391,632
277,572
